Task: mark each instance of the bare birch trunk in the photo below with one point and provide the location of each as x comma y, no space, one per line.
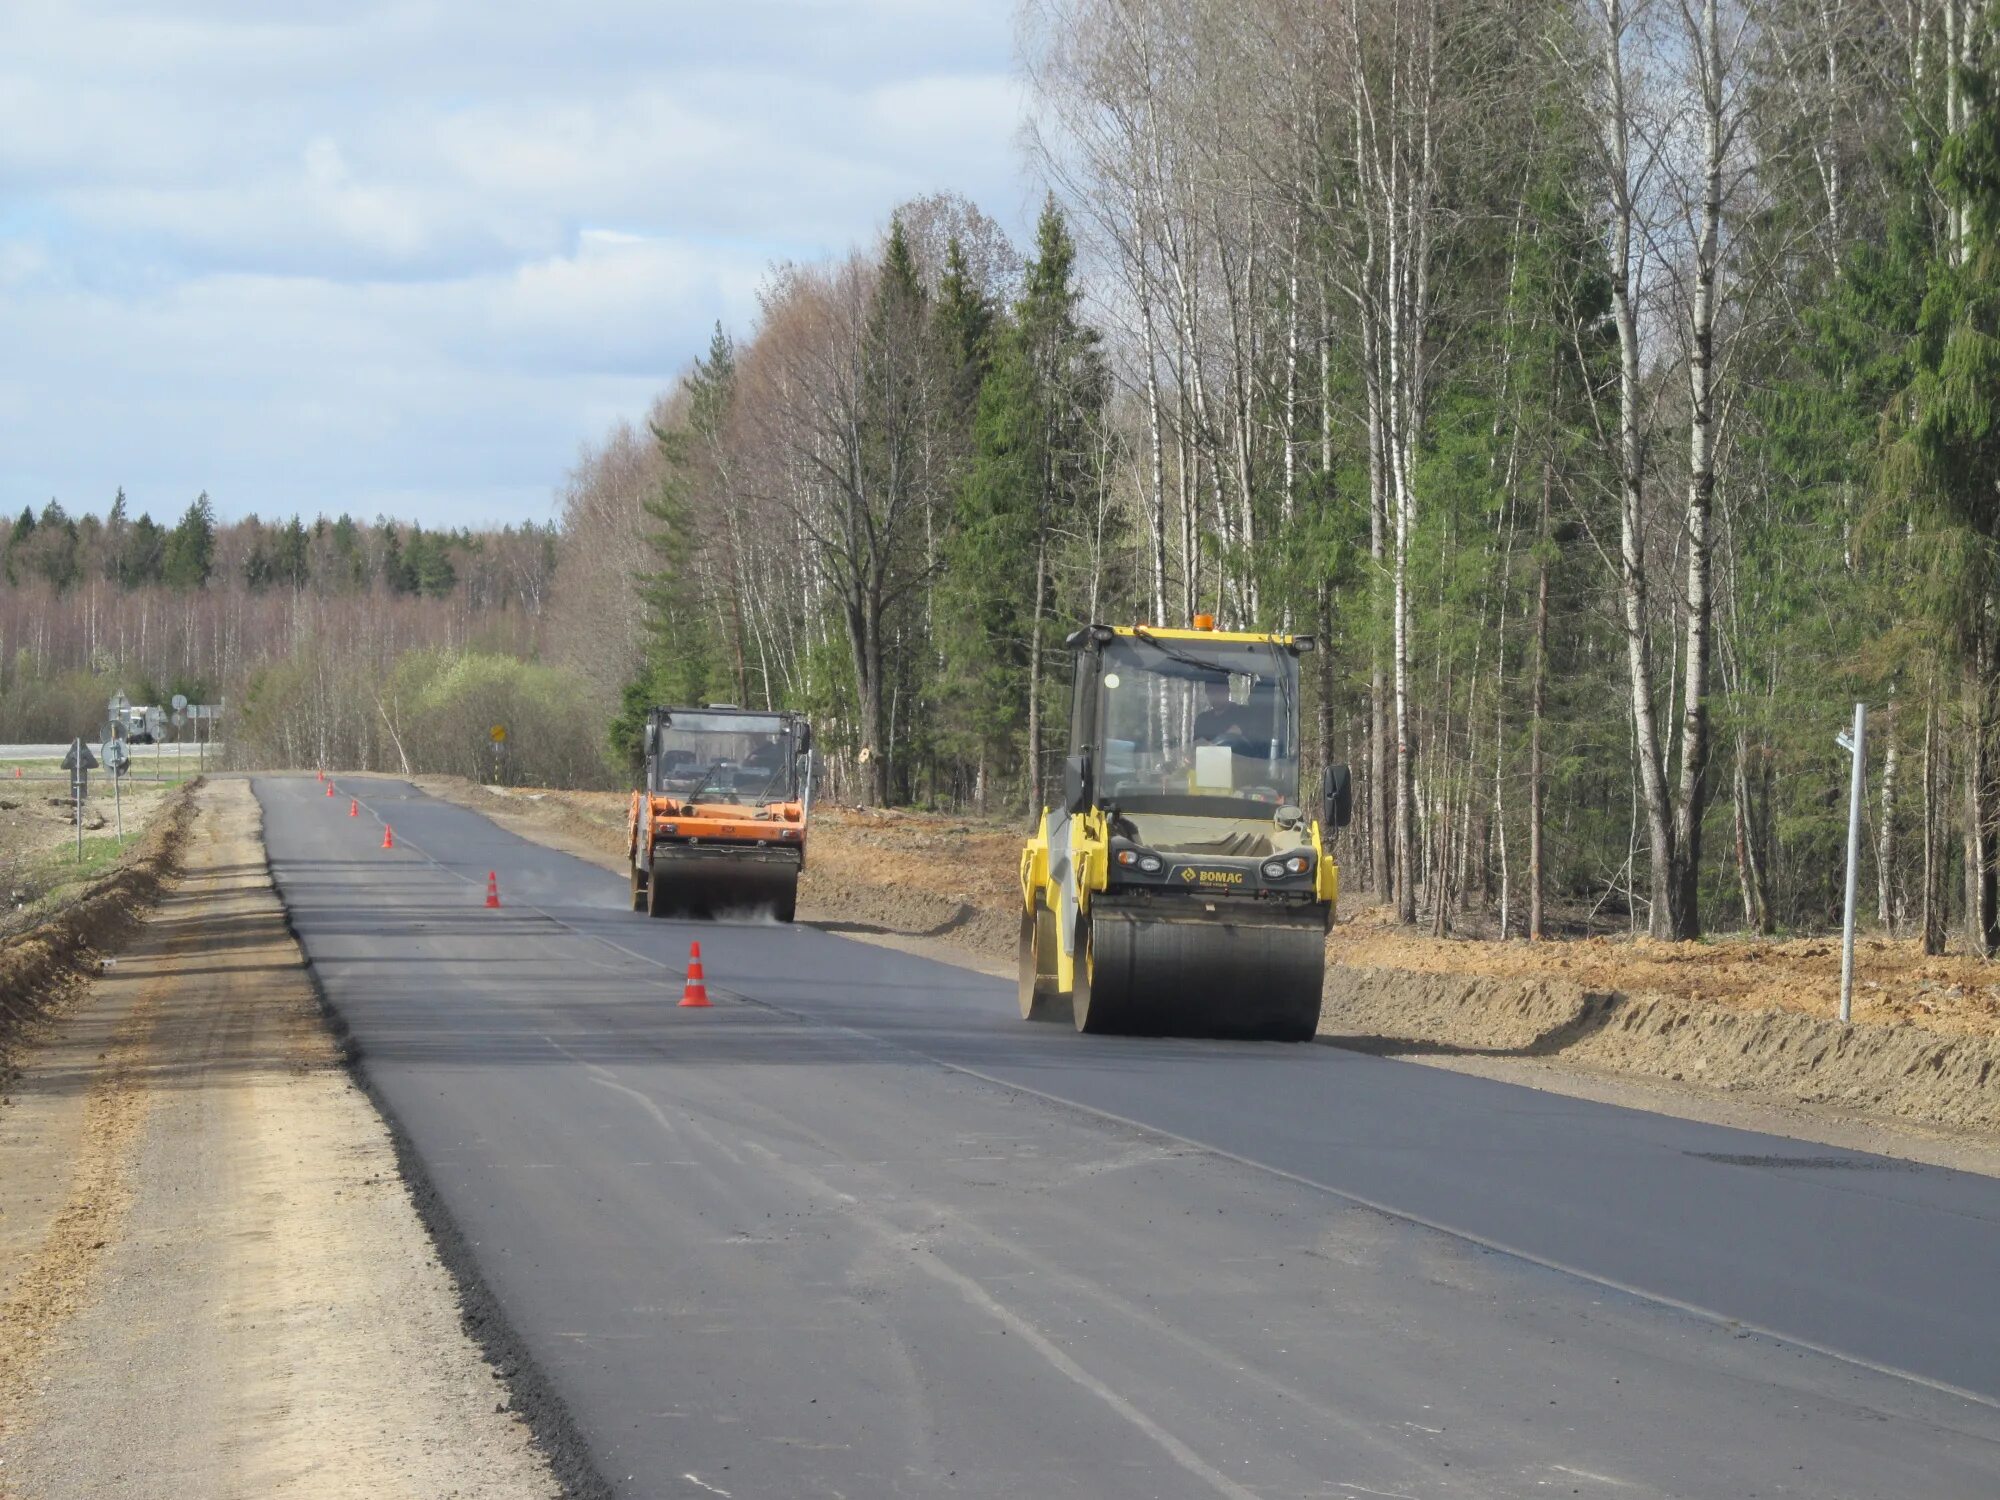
1885,835
1936,778
1651,779
1691,799
1537,706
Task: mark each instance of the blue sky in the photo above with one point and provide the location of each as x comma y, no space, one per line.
406,257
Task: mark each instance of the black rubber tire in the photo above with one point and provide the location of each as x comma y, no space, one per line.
655,907
1035,979
638,888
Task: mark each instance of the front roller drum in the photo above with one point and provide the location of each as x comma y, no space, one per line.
706,887
1036,952
1142,975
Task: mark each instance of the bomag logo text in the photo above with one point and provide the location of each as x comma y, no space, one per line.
1190,875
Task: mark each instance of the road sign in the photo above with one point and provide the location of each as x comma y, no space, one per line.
80,757
116,756
180,701
499,734
179,718
119,704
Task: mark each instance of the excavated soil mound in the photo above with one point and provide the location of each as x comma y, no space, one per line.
1894,980
911,875
1895,1071
48,961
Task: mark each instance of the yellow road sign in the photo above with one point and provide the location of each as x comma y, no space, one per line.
499,733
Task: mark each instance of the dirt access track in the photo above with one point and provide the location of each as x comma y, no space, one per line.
213,1281
1736,1032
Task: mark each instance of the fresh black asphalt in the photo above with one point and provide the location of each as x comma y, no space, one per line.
858,1230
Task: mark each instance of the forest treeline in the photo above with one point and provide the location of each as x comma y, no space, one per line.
331,639
1611,385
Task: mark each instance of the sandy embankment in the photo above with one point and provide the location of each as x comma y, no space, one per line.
213,1280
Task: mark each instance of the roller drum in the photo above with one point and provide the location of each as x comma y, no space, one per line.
1040,998
719,885
1143,974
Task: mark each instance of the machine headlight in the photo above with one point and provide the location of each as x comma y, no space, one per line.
1274,869
1150,863
1285,865
1298,864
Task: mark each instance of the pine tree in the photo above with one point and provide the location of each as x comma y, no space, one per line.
1942,456
143,558
350,564
1029,485
682,660
11,564
396,575
258,570
57,545
965,322
190,548
111,547
293,558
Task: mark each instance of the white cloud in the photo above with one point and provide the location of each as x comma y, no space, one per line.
412,254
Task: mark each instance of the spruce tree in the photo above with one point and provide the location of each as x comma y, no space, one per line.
12,562
111,545
1029,482
682,661
1942,457
144,554
190,547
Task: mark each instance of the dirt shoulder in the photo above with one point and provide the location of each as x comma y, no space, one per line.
40,872
51,945
213,1280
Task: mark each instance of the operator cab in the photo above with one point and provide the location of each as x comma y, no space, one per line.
1189,739
725,754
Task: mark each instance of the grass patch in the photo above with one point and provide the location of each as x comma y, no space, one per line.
50,877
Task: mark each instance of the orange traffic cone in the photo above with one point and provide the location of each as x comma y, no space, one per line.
329,789
694,994
388,837
492,888
322,773
354,807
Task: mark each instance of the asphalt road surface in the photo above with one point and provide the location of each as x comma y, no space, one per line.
859,1231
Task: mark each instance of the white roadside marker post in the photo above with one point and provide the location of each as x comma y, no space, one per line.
1855,743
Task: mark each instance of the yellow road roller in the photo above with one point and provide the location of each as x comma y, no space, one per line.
1181,889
